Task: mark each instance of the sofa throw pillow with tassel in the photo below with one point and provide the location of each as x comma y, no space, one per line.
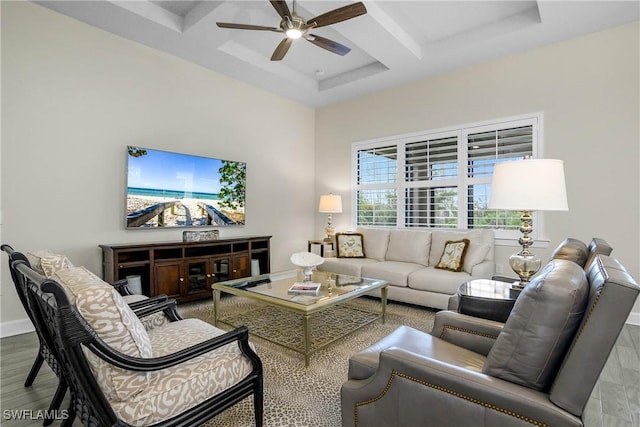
452,258
349,245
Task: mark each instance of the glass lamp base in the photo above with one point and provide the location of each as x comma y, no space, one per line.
525,265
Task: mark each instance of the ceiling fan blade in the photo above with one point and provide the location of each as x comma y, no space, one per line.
337,15
281,7
327,44
282,49
247,27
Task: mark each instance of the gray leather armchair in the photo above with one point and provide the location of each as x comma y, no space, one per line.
538,368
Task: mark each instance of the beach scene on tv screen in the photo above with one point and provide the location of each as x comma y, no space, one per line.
166,189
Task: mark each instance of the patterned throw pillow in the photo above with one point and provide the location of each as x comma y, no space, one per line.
349,245
51,264
452,258
115,323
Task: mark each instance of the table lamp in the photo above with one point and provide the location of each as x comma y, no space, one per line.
330,204
528,185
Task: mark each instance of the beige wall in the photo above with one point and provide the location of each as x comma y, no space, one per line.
74,96
588,91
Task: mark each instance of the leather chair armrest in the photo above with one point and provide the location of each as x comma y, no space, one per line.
409,389
472,333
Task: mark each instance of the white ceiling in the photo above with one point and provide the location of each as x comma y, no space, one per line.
395,42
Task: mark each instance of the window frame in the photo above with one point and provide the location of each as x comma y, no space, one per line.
461,132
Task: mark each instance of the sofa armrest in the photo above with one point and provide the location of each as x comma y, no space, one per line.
472,333
484,270
410,389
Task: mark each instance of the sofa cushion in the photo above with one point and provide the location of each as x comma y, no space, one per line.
115,323
176,389
348,266
409,246
453,254
541,326
440,237
476,253
434,280
376,241
394,272
573,250
349,245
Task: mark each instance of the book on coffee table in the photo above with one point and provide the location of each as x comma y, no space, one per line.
304,288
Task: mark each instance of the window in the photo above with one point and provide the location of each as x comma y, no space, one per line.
440,179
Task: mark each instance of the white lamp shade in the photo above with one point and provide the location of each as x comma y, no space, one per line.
330,203
529,184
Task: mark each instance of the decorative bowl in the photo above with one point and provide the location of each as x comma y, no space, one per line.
307,261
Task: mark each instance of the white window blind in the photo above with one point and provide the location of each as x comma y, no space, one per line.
440,179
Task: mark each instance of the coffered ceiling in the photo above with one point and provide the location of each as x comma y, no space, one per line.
394,42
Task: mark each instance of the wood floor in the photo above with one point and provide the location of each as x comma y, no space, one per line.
615,400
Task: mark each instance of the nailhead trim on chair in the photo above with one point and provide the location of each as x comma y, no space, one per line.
395,373
468,331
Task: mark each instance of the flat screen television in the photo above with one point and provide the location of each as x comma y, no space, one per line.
166,189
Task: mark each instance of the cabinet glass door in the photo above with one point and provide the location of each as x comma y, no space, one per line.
220,270
196,277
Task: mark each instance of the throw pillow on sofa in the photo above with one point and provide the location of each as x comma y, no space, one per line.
440,237
349,245
453,254
547,313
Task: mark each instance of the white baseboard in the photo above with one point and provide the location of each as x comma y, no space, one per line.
16,327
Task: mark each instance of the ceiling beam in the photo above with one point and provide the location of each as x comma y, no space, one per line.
152,12
375,33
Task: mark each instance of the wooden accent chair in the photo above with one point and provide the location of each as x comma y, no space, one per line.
183,372
149,310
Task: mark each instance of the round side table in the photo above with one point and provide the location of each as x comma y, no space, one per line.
488,299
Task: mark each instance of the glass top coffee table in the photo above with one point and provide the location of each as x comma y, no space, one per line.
272,289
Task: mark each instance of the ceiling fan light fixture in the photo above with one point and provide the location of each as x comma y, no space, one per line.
293,33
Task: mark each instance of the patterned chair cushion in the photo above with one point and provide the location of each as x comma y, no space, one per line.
175,390
115,323
151,321
35,259
51,264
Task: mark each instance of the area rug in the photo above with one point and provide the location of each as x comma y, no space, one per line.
295,396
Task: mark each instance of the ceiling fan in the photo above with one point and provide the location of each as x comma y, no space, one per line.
295,27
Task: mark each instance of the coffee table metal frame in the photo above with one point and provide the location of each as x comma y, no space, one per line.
275,293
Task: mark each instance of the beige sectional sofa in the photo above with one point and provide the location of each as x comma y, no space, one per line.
406,258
